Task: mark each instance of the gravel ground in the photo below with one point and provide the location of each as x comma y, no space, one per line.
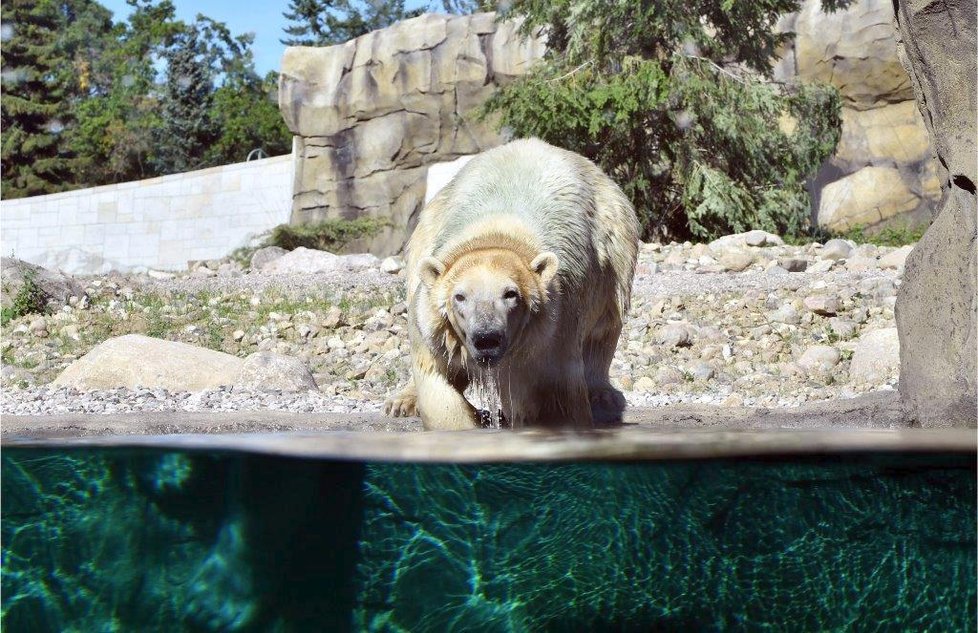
722,324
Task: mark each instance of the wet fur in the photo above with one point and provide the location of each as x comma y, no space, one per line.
504,208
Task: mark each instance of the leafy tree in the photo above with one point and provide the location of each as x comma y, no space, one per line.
673,100
327,22
245,112
47,59
174,96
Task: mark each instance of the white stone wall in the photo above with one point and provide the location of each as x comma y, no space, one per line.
159,223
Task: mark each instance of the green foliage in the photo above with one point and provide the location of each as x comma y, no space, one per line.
701,145
896,235
90,102
327,22
330,235
47,69
30,299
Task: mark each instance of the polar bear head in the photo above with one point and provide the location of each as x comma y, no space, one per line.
487,297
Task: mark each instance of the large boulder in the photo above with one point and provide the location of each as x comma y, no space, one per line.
865,198
267,371
141,361
134,360
370,115
855,50
937,307
55,287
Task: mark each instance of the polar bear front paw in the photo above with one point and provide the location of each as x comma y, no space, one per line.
403,405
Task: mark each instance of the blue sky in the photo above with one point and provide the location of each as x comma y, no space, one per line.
263,18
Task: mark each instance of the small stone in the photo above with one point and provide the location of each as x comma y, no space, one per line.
674,335
392,265
160,274
793,264
860,264
820,357
876,357
669,376
71,331
702,372
836,249
333,319
785,314
733,400
897,259
756,238
823,305
238,335
736,260
821,266
39,327
644,385
265,255
842,328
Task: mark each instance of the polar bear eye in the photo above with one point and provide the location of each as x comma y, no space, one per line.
510,295
459,297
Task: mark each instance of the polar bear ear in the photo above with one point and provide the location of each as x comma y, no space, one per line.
429,270
545,264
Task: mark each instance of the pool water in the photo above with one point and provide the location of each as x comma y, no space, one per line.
161,540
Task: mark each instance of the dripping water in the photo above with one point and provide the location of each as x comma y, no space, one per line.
486,392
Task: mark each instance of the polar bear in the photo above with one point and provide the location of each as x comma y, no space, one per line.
521,266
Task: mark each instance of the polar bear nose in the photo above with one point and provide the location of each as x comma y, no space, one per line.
487,341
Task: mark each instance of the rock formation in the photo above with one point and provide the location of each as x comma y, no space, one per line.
937,307
370,115
883,171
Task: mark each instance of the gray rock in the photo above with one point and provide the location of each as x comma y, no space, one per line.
756,237
702,372
360,261
820,358
392,265
56,287
140,361
267,371
793,264
736,260
897,259
836,249
823,305
843,328
857,264
263,256
669,376
785,314
674,335
877,355
304,261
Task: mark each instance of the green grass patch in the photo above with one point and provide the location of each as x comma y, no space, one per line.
330,235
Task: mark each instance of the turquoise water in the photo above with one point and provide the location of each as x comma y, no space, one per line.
124,540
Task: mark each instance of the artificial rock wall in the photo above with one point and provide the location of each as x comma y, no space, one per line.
937,307
370,115
883,171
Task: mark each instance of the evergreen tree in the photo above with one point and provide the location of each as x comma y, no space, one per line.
186,128
47,58
328,22
673,100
